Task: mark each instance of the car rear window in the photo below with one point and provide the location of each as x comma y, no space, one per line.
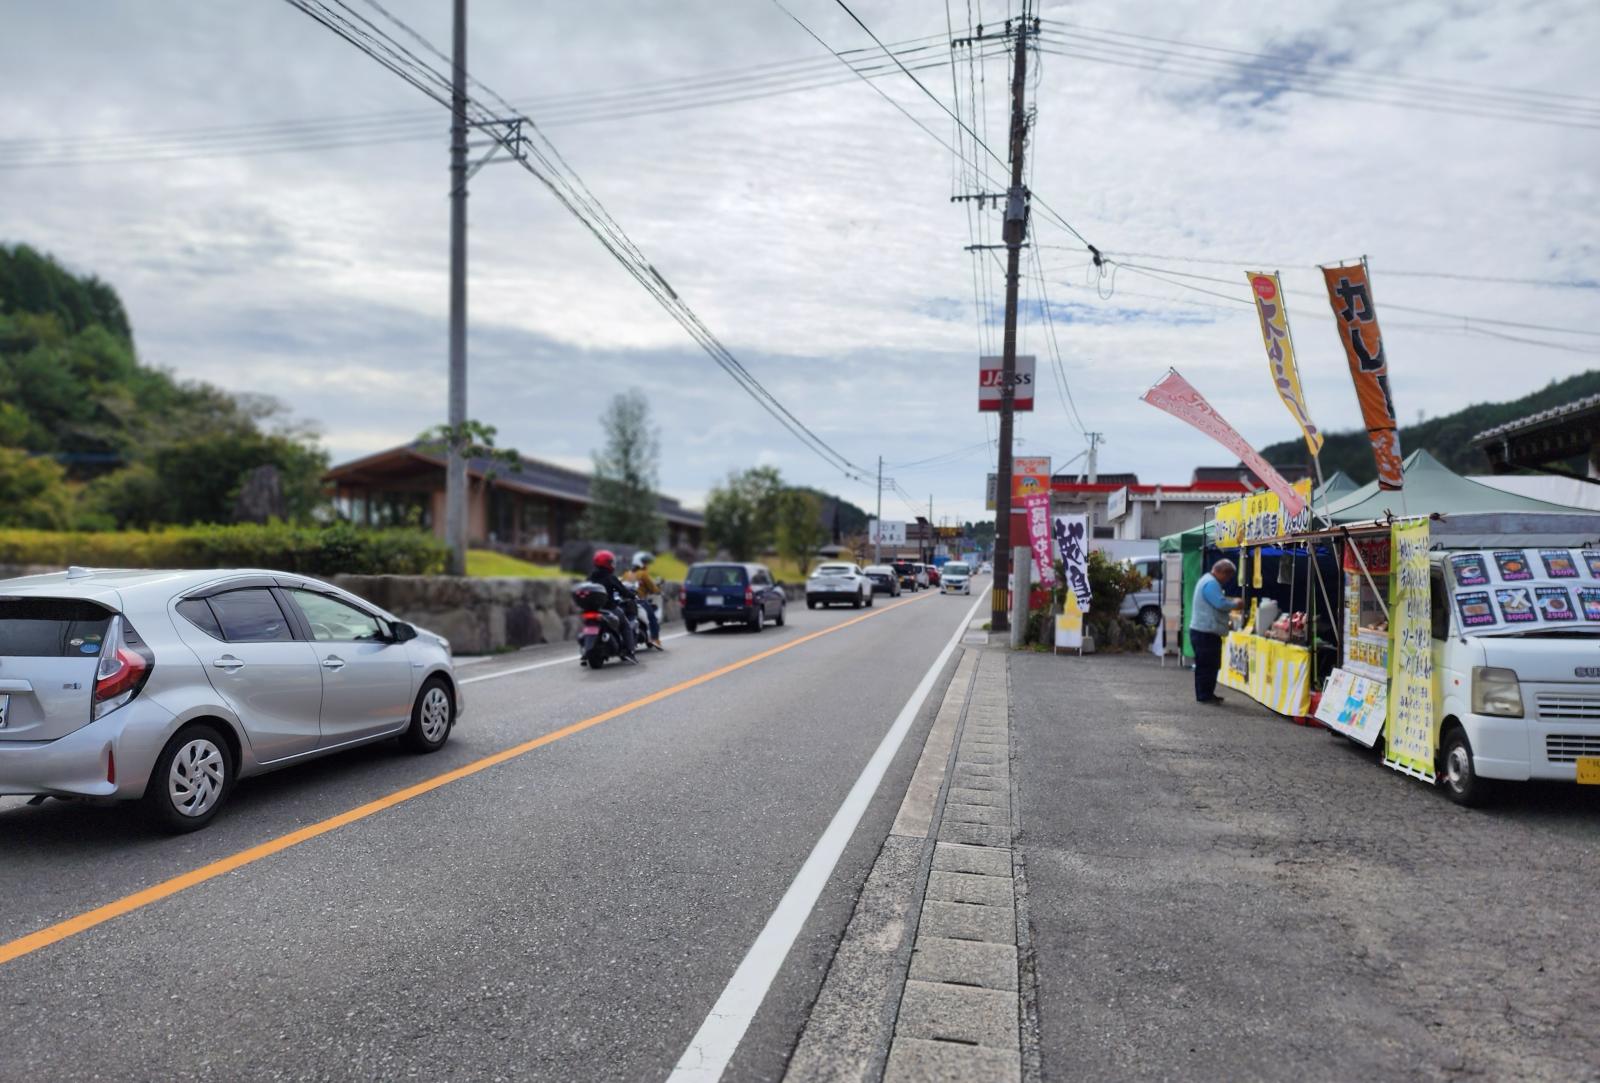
51,627
716,575
835,569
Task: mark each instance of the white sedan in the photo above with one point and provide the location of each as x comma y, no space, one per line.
838,582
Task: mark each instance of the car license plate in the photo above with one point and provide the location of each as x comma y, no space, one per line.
591,629
1589,770
713,600
5,708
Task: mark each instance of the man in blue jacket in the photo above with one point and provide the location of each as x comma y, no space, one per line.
1208,623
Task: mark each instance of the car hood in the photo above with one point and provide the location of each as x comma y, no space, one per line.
1545,659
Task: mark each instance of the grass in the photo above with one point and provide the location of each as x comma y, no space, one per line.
487,564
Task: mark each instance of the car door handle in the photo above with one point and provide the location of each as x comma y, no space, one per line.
333,662
228,662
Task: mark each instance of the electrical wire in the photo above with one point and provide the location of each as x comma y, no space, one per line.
581,203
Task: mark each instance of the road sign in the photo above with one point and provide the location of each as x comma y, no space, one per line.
894,532
991,379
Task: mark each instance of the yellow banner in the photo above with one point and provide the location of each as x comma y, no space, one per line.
1410,739
1275,675
1259,519
1274,313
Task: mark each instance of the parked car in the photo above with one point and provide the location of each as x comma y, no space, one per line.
836,582
956,578
932,571
884,579
1145,605
913,576
169,687
725,593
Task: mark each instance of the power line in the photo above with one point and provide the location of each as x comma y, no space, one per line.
358,130
591,213
1208,68
1458,84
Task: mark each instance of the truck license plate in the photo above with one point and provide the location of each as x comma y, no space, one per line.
1589,770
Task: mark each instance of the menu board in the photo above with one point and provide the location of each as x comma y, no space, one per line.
1513,588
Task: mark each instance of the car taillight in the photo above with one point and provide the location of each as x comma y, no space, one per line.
591,616
749,596
125,666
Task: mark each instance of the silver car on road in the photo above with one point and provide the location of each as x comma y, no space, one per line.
169,686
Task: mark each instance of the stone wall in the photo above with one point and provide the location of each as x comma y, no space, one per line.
478,616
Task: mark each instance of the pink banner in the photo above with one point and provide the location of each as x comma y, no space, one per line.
1178,397
1036,507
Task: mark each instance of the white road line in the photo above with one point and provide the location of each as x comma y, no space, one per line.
568,661
714,1043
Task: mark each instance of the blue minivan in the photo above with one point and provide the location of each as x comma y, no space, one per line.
727,593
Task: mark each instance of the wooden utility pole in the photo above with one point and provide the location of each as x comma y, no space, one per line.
455,479
1016,230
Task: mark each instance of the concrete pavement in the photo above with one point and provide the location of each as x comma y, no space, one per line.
569,914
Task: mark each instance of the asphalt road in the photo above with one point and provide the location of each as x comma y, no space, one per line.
572,913
1216,893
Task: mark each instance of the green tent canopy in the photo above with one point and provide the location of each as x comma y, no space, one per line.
1431,487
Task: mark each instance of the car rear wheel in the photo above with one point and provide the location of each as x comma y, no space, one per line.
1150,616
871,596
758,619
779,620
689,626
433,716
191,779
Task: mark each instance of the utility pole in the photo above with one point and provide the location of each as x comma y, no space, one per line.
1094,457
877,534
932,535
455,487
1016,228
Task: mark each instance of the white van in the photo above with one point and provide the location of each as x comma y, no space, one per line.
1516,667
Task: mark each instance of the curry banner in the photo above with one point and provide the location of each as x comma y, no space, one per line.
1350,293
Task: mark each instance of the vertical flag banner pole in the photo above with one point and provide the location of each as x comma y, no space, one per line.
1273,310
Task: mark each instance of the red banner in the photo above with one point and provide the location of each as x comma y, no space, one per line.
1350,293
1177,397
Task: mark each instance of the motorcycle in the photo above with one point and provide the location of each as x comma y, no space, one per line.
600,636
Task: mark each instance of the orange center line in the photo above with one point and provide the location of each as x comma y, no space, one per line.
54,934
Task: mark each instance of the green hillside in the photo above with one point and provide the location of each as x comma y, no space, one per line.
1448,438
91,438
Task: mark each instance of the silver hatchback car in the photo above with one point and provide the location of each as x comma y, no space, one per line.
169,686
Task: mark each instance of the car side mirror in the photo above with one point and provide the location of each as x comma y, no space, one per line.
402,632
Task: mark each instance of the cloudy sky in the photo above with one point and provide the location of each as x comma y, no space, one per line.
272,206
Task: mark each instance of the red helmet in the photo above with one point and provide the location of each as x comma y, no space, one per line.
605,560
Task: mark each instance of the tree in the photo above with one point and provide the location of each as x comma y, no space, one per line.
625,507
33,492
799,526
741,513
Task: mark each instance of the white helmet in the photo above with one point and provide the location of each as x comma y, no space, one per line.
641,558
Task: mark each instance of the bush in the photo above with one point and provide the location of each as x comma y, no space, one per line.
332,550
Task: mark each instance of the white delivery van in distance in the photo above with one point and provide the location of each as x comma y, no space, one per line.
1516,667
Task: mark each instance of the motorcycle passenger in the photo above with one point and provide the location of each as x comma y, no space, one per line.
605,575
649,590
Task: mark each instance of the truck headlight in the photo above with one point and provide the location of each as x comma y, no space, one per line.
1496,691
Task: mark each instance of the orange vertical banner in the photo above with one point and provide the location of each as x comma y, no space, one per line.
1350,293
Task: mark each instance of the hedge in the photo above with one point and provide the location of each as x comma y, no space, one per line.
329,550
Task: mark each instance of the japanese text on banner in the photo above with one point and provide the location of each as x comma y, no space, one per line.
1273,310
1350,293
1409,735
1072,532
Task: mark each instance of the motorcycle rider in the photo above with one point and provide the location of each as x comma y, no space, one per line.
605,575
649,590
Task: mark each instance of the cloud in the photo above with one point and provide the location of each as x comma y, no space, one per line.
814,232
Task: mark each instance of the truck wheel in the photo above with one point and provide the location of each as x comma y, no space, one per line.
1458,773
1150,616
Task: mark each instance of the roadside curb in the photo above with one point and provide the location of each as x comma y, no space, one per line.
933,978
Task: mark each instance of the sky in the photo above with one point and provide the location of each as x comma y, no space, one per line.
813,230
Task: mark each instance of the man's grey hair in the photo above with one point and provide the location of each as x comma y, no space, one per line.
1224,564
